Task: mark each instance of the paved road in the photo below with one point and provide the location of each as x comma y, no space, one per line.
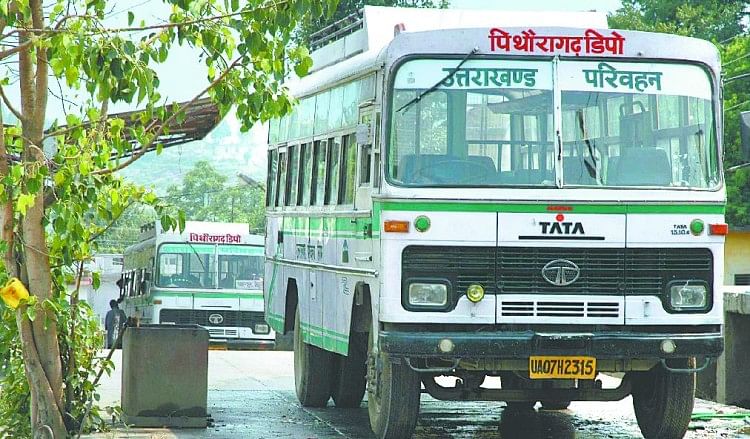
251,395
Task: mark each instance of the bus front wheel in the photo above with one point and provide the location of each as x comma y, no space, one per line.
393,391
312,365
663,400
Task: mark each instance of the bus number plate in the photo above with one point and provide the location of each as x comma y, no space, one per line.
551,367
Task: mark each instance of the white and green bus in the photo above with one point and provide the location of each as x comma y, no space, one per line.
211,275
499,197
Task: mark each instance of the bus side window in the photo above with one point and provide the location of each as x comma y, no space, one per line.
319,172
333,174
305,173
281,180
376,156
365,165
292,183
349,167
273,165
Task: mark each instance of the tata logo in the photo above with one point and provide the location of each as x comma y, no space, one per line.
561,228
561,272
216,319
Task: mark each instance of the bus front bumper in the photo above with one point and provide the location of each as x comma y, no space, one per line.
517,345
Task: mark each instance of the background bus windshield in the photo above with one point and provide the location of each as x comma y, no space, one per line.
491,124
210,266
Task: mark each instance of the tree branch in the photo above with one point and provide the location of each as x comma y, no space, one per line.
12,51
111,223
166,123
10,106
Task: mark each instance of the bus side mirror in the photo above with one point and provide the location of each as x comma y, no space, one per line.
745,135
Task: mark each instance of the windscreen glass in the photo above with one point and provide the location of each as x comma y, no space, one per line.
637,124
488,123
241,267
204,266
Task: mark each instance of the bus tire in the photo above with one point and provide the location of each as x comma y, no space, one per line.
520,406
312,367
557,404
663,400
393,395
350,382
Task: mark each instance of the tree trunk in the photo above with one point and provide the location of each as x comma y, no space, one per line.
46,415
39,338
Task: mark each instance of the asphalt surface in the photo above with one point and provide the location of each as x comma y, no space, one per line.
251,395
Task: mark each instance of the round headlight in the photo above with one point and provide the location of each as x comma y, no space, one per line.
475,293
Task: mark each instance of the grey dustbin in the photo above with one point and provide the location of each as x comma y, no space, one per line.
165,376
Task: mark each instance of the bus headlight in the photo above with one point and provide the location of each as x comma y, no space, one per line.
422,294
684,295
261,328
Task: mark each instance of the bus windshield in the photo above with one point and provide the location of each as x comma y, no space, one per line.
490,123
204,266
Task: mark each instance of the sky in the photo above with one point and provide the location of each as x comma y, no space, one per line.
539,5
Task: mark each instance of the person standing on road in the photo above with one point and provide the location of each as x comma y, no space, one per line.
114,322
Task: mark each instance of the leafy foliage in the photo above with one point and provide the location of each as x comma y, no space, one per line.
721,22
205,196
59,190
125,230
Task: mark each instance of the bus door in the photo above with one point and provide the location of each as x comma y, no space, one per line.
368,165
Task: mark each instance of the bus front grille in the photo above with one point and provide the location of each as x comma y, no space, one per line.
213,318
603,271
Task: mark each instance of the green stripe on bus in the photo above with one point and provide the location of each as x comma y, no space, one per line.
240,250
411,206
201,249
325,341
252,296
331,227
276,322
326,331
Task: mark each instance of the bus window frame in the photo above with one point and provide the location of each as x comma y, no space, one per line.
387,117
214,258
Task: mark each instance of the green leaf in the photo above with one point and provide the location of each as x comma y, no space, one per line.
114,196
31,312
96,280
131,18
84,167
181,220
24,202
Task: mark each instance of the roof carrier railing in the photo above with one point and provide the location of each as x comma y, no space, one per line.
346,26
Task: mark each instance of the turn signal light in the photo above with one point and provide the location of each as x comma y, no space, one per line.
718,229
396,226
157,301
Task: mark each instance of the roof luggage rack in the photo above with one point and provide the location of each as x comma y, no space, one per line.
346,26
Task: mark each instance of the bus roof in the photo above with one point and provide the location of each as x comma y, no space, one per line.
452,31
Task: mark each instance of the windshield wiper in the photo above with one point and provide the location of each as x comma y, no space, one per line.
435,87
589,163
